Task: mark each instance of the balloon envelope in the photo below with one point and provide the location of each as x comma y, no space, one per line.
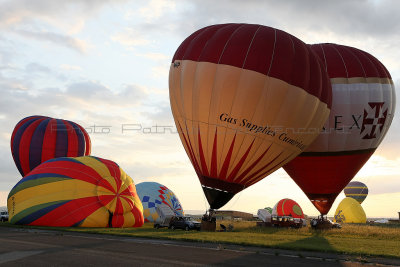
246,99
356,190
350,211
153,194
288,207
36,139
362,110
82,191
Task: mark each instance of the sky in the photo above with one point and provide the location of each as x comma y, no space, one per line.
104,64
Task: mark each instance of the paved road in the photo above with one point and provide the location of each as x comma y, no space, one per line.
29,247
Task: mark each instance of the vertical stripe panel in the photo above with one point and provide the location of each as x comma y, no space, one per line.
35,148
61,139
72,140
49,141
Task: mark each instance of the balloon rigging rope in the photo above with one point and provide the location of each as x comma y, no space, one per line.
205,202
232,204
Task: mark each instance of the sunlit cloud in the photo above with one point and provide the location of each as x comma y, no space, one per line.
58,39
156,8
130,38
70,67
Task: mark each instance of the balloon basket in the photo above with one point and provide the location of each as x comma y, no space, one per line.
208,226
208,222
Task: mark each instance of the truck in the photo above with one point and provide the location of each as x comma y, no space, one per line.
165,214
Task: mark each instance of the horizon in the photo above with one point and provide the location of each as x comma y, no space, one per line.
105,64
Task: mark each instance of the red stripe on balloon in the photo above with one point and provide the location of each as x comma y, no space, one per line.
225,165
119,209
70,213
191,154
118,216
263,167
202,158
273,168
72,169
114,170
130,191
214,160
240,163
49,141
19,124
138,215
118,220
72,140
128,199
105,199
240,177
24,145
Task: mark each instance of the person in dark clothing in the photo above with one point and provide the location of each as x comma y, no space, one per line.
110,217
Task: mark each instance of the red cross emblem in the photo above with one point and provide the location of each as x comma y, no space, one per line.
373,119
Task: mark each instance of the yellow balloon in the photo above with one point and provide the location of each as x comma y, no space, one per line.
350,211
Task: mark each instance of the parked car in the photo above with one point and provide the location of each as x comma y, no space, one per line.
286,221
184,222
3,216
324,223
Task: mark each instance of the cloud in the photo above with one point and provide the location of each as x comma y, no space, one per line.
58,39
70,67
367,17
161,70
156,8
155,56
61,20
35,67
130,37
64,14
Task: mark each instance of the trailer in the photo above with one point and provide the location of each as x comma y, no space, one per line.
165,214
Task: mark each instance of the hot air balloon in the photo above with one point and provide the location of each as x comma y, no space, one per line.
288,207
82,191
356,190
363,103
350,211
246,99
153,194
36,139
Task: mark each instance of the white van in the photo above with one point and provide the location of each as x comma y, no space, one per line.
3,216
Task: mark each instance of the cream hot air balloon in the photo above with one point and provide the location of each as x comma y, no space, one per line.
246,99
363,104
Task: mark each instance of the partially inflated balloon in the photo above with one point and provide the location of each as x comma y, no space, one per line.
83,191
288,207
350,211
36,139
363,104
246,99
153,194
356,190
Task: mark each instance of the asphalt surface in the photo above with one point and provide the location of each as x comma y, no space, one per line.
31,247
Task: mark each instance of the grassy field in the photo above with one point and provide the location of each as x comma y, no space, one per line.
360,240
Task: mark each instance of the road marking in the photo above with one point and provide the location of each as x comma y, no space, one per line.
17,255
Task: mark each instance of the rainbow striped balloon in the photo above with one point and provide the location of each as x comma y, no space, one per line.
83,191
36,139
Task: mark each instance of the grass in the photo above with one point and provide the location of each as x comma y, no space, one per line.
360,240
